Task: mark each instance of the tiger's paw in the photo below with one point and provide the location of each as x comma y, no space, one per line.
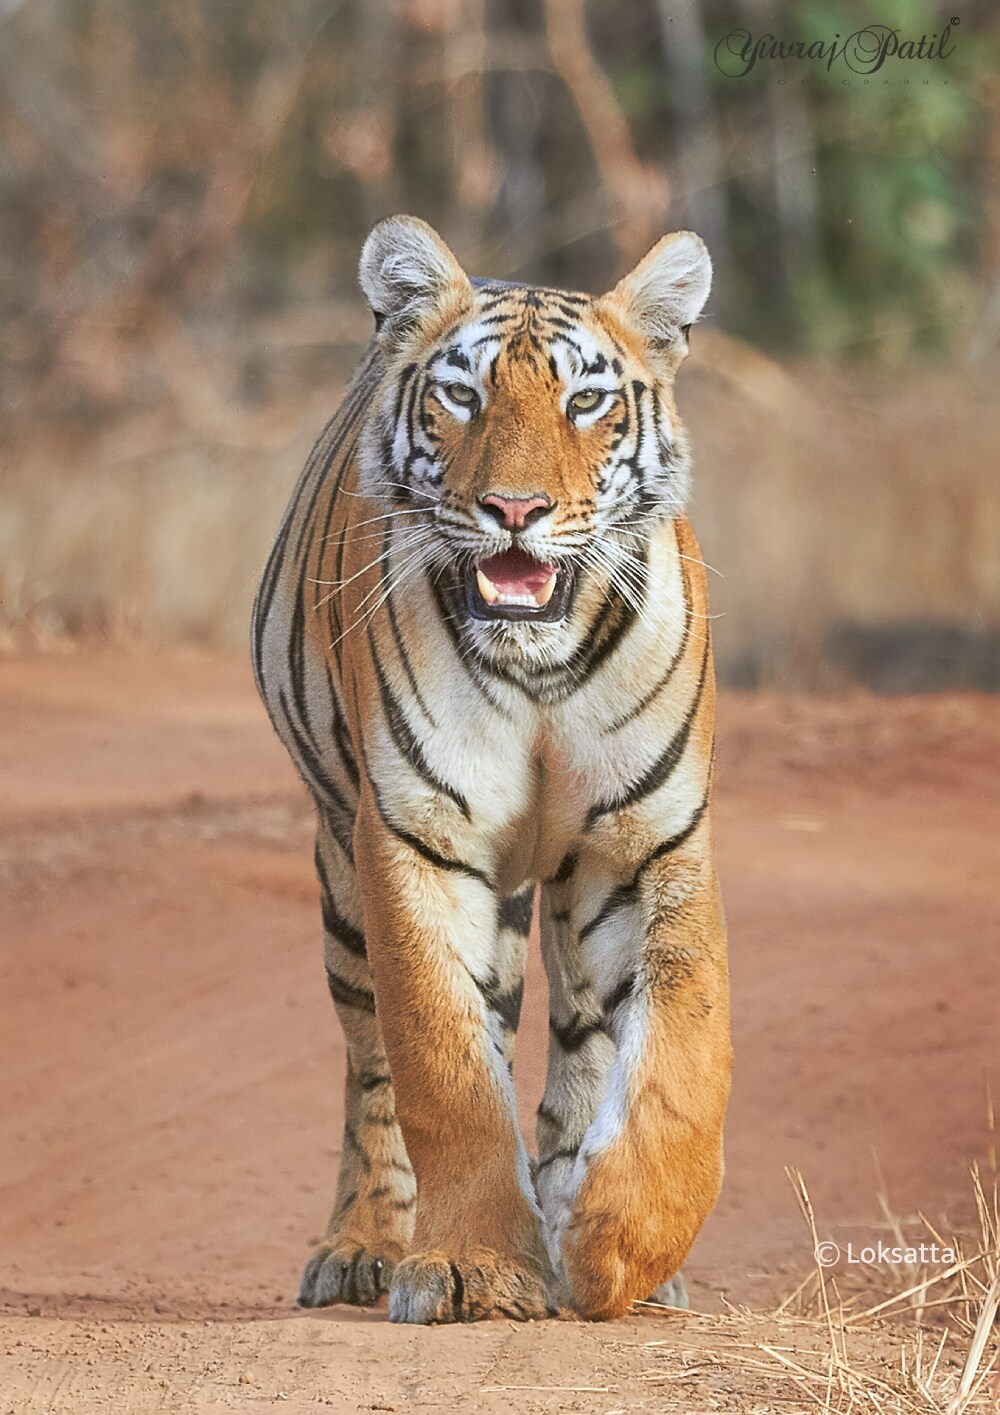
344,1273
671,1293
431,1287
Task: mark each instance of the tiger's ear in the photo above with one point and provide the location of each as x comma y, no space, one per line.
406,271
666,292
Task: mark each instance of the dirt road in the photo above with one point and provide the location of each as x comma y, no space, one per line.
172,1070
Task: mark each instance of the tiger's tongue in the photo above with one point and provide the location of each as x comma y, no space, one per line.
515,573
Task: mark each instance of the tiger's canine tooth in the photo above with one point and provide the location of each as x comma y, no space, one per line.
545,593
487,588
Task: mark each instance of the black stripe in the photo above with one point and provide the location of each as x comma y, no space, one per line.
506,1005
335,603
515,911
414,451
403,736
624,990
312,769
566,867
666,847
596,636
342,424
570,1153
447,613
457,1292
374,1081
572,1036
296,663
334,923
405,376
341,734
347,995
672,667
441,862
317,465
404,659
619,897
346,1202
626,893
353,1143
659,772
265,597
627,616
324,536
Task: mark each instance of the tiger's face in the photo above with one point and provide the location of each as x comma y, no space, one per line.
531,432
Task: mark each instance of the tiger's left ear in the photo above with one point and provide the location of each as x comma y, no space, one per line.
666,292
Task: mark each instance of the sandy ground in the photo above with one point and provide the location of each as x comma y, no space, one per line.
172,1069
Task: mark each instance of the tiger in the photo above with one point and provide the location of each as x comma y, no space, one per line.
483,637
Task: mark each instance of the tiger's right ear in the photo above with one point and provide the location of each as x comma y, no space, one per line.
406,271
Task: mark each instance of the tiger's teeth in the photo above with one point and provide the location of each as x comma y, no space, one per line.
487,588
545,593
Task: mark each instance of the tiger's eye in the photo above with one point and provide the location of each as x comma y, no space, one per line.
586,400
461,394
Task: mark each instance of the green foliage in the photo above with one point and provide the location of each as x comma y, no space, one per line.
898,190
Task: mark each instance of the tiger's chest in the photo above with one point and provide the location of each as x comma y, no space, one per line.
524,775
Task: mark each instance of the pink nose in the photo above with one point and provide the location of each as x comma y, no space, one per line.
516,512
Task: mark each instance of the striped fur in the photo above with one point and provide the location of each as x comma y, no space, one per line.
456,761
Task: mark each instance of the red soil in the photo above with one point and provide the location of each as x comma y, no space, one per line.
172,1069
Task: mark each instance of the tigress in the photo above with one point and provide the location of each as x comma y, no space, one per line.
482,635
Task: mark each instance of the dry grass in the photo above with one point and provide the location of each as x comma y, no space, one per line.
929,1347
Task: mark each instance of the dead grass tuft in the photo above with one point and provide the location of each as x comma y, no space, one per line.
929,1347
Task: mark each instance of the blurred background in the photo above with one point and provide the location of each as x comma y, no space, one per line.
185,186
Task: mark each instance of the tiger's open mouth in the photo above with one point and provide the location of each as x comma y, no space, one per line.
514,585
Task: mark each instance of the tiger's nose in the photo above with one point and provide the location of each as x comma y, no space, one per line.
515,512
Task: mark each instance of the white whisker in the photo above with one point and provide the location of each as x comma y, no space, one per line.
416,560
415,537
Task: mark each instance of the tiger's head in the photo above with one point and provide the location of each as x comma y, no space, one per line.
536,428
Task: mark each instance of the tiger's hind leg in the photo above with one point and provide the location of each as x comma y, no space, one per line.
581,1053
672,1293
581,1059
372,1219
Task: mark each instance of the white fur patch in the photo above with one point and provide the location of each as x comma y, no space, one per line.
404,269
667,290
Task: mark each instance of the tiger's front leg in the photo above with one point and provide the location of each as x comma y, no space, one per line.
445,1006
649,1167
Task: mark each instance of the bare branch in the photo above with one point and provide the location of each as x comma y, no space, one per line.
639,195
